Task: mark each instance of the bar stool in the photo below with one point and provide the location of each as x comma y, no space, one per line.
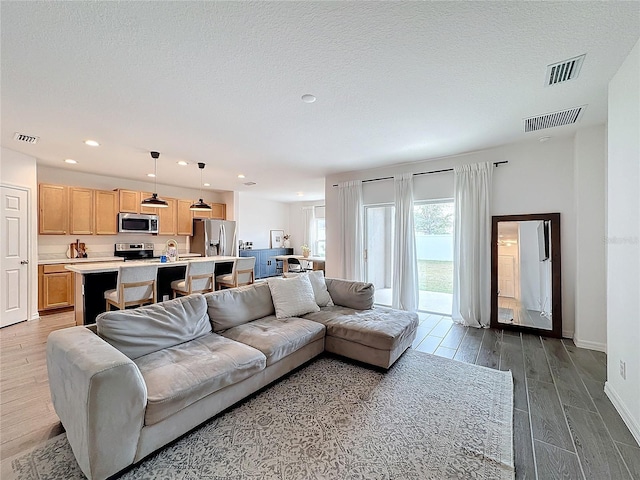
136,285
197,279
241,274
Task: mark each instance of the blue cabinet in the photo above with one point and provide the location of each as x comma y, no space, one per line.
266,264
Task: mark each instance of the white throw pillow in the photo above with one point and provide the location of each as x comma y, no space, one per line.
323,299
292,296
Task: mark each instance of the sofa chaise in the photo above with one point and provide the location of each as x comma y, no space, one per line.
138,379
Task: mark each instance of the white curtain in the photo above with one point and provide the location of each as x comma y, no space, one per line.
351,229
405,267
472,245
309,228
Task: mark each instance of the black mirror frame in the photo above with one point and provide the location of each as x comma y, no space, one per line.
556,275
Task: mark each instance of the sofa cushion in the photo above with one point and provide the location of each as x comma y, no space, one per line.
323,299
235,306
380,327
292,296
356,295
140,331
181,375
277,338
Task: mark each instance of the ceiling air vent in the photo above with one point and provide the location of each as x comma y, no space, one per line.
555,119
21,137
563,71
249,184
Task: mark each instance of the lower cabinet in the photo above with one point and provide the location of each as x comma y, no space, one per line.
55,287
266,264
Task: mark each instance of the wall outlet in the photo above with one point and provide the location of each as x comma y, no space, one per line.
166,297
623,369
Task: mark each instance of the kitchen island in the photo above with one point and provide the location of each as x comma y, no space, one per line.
93,279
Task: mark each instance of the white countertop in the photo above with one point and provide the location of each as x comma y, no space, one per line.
113,266
57,261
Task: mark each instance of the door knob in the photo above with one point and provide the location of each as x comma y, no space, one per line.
24,262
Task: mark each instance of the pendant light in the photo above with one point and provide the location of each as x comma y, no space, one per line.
200,206
153,201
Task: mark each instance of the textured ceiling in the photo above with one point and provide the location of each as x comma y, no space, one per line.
220,83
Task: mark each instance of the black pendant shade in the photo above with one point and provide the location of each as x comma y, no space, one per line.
153,201
200,206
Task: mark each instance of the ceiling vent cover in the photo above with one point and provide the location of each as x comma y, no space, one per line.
563,71
249,184
21,137
555,119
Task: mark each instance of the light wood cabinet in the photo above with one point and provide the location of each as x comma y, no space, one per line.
218,212
55,287
129,201
185,218
106,212
53,209
167,218
148,210
81,211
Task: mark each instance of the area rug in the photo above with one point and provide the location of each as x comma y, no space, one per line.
426,418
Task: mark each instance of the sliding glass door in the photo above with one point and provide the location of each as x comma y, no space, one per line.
379,222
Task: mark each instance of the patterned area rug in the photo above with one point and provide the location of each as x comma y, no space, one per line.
426,418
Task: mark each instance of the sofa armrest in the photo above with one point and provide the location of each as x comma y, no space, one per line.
100,396
351,294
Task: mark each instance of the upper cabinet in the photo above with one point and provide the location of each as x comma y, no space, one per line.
218,212
53,202
147,210
185,218
106,208
167,218
80,211
129,201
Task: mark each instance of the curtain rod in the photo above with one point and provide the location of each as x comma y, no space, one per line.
495,164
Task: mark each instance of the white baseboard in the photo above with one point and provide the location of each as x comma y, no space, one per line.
567,334
599,346
630,422
35,316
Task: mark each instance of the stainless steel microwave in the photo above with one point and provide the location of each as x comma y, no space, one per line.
137,223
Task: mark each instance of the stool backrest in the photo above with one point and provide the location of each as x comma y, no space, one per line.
136,282
243,270
201,273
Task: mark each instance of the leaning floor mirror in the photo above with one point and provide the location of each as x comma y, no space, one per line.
525,273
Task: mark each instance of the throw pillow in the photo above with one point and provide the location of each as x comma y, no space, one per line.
292,296
320,292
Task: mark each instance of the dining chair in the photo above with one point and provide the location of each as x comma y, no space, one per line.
136,285
199,278
241,274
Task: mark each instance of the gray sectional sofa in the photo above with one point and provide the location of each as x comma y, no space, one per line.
138,379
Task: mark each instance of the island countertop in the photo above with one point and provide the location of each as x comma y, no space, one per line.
102,267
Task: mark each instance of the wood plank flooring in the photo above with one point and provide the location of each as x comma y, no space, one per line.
565,427
564,424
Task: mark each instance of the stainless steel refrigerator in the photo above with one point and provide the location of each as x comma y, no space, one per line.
214,237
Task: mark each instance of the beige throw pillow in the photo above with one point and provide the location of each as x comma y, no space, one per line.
292,296
320,292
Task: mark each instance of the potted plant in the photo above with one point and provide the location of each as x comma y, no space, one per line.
306,251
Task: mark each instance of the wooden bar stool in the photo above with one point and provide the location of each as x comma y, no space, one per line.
199,278
242,274
136,285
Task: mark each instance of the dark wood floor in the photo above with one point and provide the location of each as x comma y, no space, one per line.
565,427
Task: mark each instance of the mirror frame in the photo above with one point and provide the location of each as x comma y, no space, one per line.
556,277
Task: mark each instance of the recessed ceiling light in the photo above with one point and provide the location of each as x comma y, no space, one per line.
182,163
308,98
151,175
300,194
206,184
241,176
544,139
91,143
70,160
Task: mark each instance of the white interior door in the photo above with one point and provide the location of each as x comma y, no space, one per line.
506,276
14,268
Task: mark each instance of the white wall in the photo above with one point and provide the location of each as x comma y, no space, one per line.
539,178
623,241
257,216
590,156
19,170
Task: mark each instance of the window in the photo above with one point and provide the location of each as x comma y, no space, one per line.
379,223
320,236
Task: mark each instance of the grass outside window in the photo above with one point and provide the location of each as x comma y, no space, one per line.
435,276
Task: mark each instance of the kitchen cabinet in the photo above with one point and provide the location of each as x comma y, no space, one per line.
53,209
167,218
80,211
148,210
129,201
55,287
218,212
106,212
266,264
185,218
